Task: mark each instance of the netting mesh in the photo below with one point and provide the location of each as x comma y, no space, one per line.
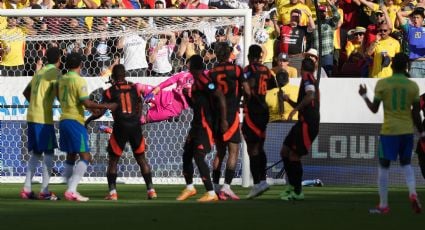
164,142
148,46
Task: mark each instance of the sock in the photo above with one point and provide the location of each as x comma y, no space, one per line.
297,169
254,164
410,178
287,168
78,173
190,186
32,165
263,165
211,193
68,169
188,167
383,174
47,170
216,186
112,191
112,181
204,171
228,176
148,180
216,174
226,186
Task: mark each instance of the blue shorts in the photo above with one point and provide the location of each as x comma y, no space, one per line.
41,138
392,146
73,137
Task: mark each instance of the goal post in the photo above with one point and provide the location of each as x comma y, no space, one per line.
164,139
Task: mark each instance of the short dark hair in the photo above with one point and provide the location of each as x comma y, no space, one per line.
222,51
118,72
254,52
282,78
400,63
73,60
53,55
196,63
297,11
308,65
418,11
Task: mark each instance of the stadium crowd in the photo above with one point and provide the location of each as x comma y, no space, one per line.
358,37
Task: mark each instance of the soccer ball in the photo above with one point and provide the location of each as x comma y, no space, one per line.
261,36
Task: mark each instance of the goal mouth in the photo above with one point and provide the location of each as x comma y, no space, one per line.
150,43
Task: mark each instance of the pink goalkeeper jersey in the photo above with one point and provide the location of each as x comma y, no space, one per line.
183,80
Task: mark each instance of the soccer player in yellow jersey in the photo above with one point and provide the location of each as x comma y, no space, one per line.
41,92
400,98
73,97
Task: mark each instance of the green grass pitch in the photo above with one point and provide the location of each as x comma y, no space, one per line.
324,208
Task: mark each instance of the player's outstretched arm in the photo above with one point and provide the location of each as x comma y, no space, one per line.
96,114
289,100
374,107
89,104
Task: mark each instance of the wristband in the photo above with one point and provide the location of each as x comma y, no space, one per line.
364,96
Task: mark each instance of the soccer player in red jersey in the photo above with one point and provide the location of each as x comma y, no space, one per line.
127,128
204,95
228,78
301,136
256,111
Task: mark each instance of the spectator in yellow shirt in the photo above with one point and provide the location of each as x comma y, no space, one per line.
284,12
278,109
12,63
383,50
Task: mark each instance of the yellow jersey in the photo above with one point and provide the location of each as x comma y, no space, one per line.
43,93
397,93
72,92
273,103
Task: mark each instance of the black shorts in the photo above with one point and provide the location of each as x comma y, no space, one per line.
301,137
233,134
200,139
254,125
123,134
420,147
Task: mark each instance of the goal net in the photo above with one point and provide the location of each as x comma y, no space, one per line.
152,44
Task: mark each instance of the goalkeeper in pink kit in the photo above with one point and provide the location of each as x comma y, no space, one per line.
166,104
